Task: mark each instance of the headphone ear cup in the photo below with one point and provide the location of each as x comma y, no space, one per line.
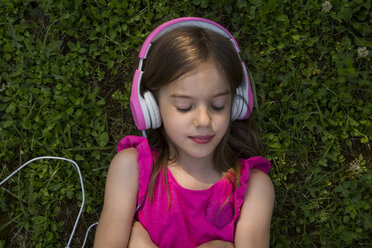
138,106
237,105
247,95
234,108
153,110
243,100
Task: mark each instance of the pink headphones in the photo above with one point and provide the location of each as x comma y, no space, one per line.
145,110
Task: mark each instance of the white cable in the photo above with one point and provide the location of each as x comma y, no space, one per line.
144,133
81,183
86,235
96,223
82,189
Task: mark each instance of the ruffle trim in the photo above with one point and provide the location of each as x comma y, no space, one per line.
145,163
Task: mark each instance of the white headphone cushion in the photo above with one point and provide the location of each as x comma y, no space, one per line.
153,109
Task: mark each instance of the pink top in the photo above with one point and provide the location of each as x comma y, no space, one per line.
194,216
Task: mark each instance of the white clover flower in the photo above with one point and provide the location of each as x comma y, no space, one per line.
354,166
326,6
362,52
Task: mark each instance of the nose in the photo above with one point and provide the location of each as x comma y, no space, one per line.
202,117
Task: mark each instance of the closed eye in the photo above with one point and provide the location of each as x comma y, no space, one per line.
183,110
218,108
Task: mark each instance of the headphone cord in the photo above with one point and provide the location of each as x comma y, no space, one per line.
81,183
82,190
86,235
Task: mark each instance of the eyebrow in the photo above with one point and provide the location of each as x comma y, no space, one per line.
175,95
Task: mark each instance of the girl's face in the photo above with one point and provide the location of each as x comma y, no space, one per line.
196,111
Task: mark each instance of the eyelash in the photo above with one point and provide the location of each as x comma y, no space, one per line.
218,108
184,110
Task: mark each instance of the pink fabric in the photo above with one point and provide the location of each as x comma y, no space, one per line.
194,216
135,103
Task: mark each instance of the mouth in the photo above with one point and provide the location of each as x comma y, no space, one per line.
202,139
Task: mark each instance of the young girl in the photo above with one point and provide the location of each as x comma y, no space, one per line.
201,184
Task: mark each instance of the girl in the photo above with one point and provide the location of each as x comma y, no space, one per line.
190,189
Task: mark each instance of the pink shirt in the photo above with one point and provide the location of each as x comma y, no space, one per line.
194,216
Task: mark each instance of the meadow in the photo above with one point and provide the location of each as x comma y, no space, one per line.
66,68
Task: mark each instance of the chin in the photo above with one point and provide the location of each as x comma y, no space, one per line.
201,153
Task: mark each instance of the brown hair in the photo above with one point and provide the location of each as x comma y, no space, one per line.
181,51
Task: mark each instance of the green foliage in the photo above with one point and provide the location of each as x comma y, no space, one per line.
67,64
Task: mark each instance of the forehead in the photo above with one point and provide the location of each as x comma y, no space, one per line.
202,82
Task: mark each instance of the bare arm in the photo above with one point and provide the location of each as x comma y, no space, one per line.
253,227
120,200
139,237
217,244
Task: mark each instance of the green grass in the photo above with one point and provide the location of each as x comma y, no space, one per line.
65,74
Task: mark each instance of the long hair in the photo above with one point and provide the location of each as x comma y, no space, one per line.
173,55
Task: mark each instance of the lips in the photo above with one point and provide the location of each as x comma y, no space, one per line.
202,139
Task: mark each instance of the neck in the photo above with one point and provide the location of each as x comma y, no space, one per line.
201,169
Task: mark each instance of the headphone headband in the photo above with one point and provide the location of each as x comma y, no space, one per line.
185,21
144,108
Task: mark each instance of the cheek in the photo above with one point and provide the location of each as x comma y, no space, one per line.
227,122
222,122
165,110
172,120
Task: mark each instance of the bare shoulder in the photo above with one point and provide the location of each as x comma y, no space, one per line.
253,227
125,159
122,175
120,201
260,185
260,195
